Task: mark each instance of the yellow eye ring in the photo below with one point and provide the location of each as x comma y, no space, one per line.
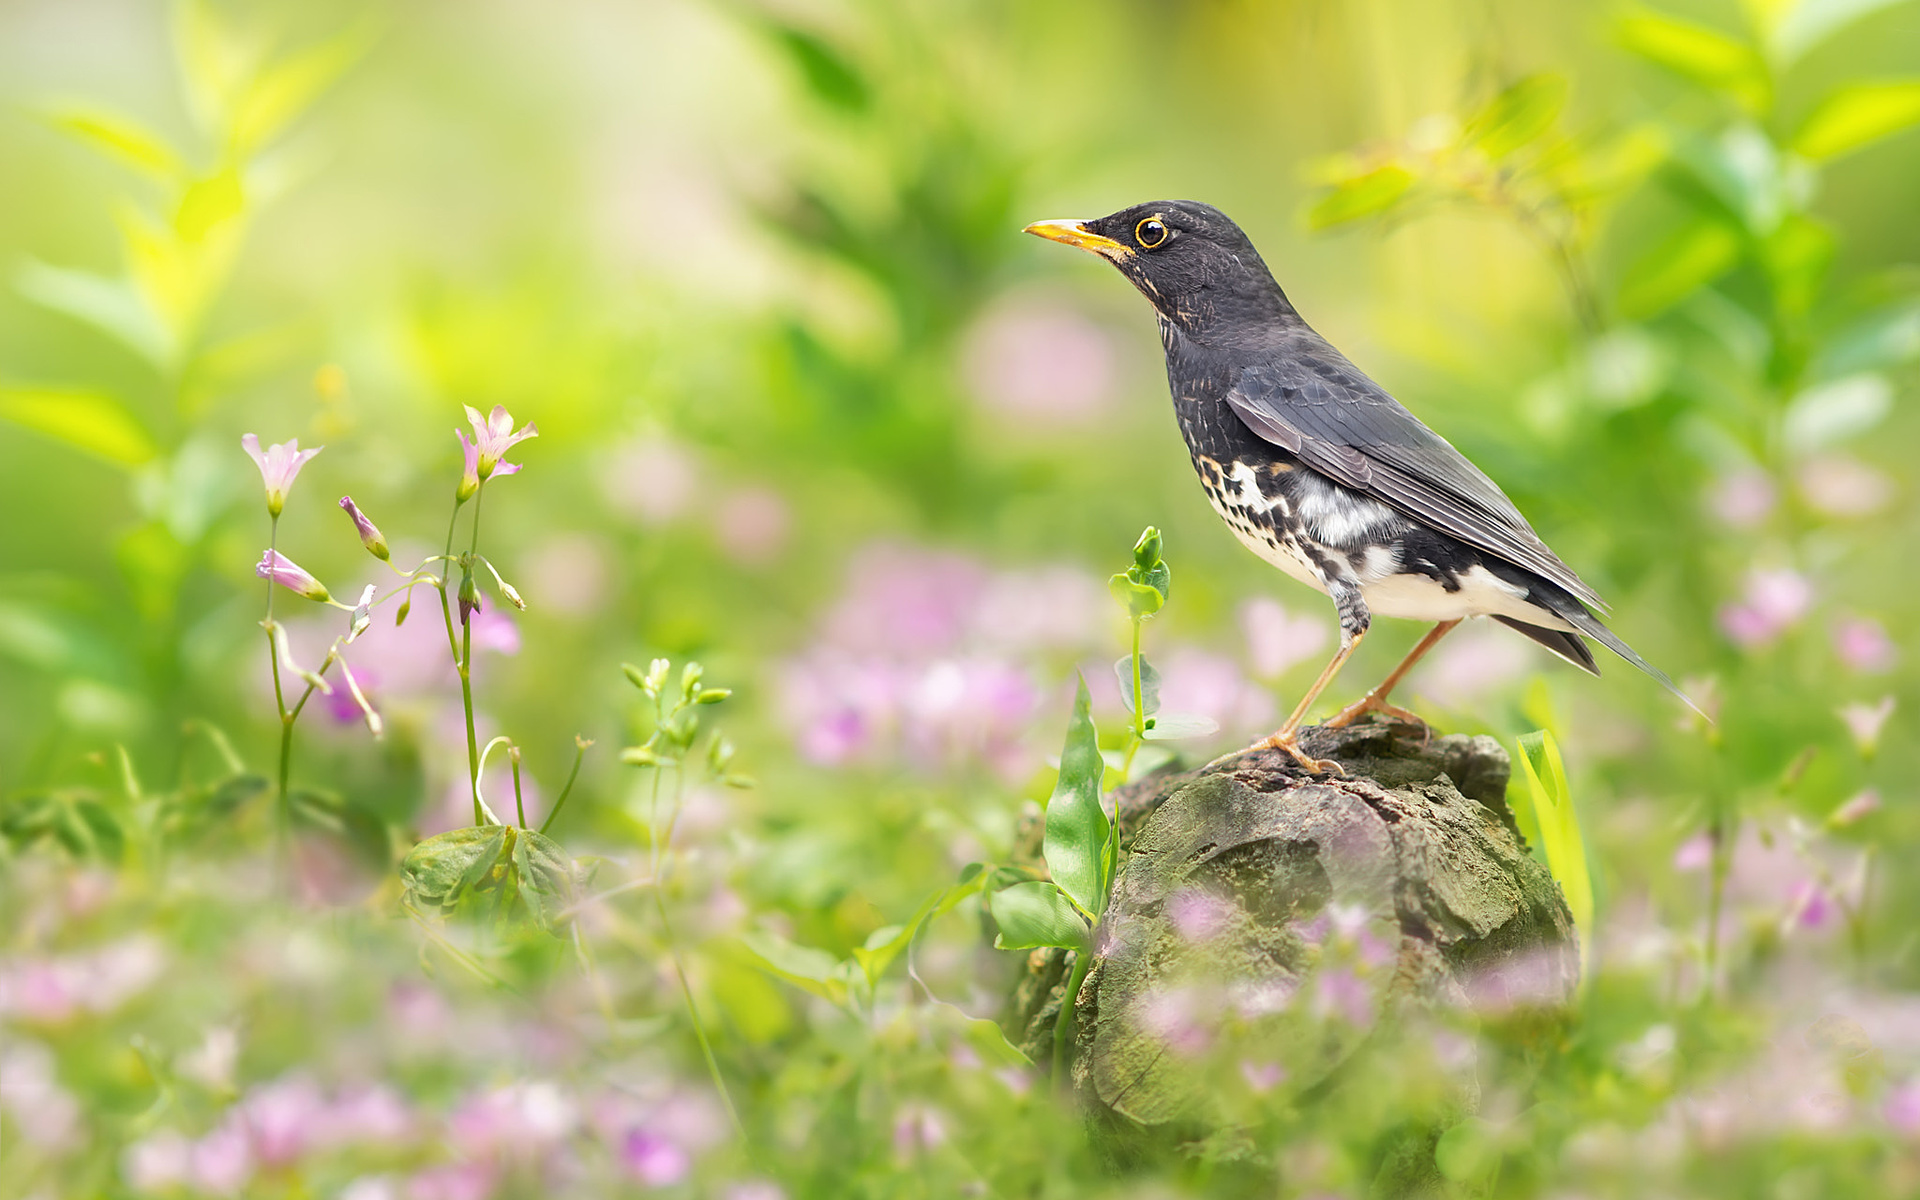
1150,233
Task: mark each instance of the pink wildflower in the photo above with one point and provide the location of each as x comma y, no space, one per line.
1694,854
223,1160
278,464
493,436
654,1160
1865,721
158,1161
1863,645
917,1130
1743,498
1775,600
1856,809
1262,1076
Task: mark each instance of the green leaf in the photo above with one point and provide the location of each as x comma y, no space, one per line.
828,74
436,873
1469,1153
1519,115
91,422
803,966
1149,682
1796,255
1037,914
1683,263
1139,599
1360,196
545,874
990,1042
1857,114
1146,551
285,89
120,138
1833,412
234,791
1885,337
1172,727
1699,52
79,824
1077,827
1808,23
882,946
209,203
1546,792
115,307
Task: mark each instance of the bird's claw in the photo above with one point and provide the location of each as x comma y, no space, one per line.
1369,703
1291,744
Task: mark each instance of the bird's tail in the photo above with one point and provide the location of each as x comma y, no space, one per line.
1576,615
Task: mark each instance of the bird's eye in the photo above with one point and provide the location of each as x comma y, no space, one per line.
1150,233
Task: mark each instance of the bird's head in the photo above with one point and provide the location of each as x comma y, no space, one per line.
1192,262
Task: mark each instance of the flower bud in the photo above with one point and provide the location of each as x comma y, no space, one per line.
469,598
285,572
362,614
370,535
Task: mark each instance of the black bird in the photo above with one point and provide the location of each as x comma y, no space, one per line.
1320,472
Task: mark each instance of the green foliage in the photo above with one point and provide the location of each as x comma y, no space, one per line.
78,823
1079,832
1858,115
1038,913
1544,808
500,869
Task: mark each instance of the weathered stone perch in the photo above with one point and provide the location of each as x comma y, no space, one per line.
1275,919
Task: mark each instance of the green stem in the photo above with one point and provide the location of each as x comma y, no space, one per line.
519,808
466,659
1139,701
1063,1024
699,1029
283,813
1721,835
579,752
660,849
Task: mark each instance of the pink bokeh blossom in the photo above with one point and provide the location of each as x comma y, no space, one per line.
1865,721
1774,601
1277,639
921,659
651,479
1862,645
1843,487
750,525
1042,366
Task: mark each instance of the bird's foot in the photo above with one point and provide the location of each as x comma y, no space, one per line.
1290,742
1372,703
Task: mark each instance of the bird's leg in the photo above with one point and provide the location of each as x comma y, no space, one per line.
1376,700
1353,626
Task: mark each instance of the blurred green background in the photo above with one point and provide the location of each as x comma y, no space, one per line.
812,412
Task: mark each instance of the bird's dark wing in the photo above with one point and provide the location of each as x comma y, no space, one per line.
1310,400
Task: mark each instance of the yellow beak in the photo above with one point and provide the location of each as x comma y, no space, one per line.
1076,233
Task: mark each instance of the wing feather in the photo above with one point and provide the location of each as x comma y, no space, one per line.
1311,401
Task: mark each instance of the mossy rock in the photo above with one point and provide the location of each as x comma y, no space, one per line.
1268,925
